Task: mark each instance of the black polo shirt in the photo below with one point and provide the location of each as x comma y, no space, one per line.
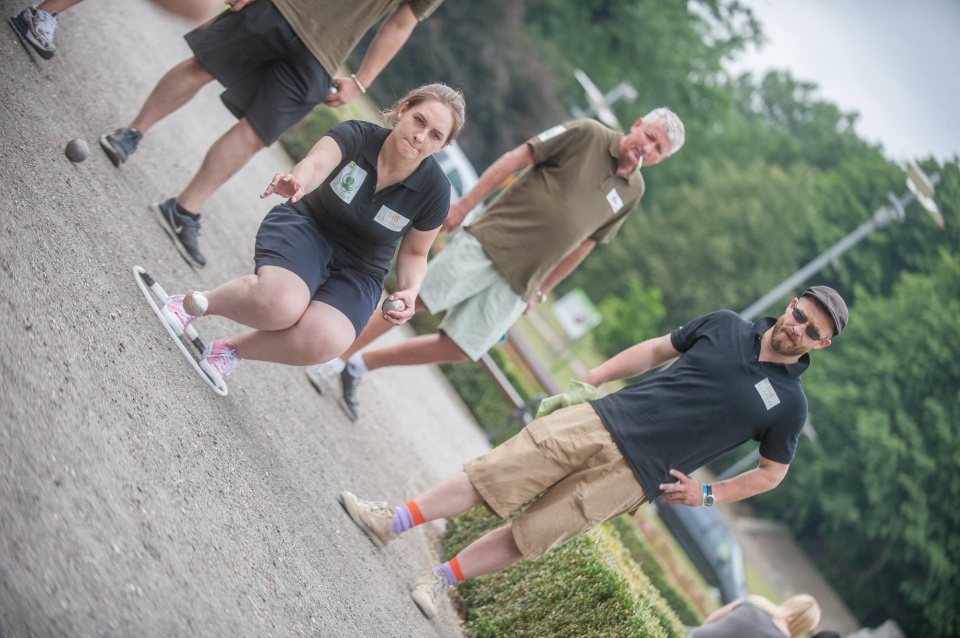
365,227
713,398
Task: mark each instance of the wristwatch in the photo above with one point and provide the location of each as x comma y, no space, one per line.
708,498
542,296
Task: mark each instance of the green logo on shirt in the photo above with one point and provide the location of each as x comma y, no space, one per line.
348,181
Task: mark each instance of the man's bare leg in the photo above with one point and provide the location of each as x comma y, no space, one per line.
453,496
227,156
435,348
177,87
491,552
376,327
57,6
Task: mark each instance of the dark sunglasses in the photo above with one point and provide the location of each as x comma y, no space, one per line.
801,318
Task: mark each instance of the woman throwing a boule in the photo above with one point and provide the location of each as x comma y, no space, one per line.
321,257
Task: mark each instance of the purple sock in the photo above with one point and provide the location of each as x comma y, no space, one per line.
447,572
402,520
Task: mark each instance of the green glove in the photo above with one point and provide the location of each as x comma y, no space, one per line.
577,392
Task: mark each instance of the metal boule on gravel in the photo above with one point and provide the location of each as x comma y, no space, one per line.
77,150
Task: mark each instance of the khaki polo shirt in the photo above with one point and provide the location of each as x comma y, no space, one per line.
571,193
331,28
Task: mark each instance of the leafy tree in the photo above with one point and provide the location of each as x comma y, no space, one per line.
781,120
672,53
514,61
628,320
875,498
911,246
721,243
483,49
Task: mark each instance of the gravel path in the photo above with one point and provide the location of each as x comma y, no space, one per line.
133,500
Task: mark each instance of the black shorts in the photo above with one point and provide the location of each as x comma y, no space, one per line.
271,78
292,240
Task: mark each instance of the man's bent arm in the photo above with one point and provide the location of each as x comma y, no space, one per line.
563,268
567,265
505,166
390,38
633,361
763,478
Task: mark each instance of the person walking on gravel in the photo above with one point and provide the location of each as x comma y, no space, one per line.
276,59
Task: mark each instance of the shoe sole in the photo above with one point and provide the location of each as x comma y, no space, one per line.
346,410
348,501
353,413
23,33
320,384
158,214
171,321
111,152
427,607
212,372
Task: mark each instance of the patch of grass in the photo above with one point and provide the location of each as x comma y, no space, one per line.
588,587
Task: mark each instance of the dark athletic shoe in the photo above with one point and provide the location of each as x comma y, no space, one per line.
350,384
36,27
120,144
183,230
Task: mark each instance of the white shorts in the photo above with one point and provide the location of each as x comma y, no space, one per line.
480,305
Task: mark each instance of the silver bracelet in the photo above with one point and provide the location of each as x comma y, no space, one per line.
359,86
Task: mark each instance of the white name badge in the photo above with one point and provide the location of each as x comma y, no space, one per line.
768,394
616,202
391,219
348,182
551,133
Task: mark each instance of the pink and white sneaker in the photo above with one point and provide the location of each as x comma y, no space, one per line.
176,314
177,318
219,360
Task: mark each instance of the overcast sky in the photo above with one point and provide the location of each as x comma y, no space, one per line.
895,62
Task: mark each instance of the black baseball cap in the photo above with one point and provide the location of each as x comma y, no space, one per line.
833,302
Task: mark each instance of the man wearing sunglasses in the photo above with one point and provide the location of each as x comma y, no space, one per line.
733,381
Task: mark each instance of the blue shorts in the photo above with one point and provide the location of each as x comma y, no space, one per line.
292,240
271,77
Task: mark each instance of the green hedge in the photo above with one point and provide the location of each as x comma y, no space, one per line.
476,389
588,587
640,552
509,368
302,136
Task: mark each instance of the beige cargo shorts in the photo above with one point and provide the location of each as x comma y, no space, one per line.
572,462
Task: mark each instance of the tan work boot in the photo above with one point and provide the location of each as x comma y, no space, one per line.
373,518
426,592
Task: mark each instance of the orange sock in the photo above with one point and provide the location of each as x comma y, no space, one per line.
415,514
455,566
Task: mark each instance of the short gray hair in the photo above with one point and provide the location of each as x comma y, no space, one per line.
672,123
